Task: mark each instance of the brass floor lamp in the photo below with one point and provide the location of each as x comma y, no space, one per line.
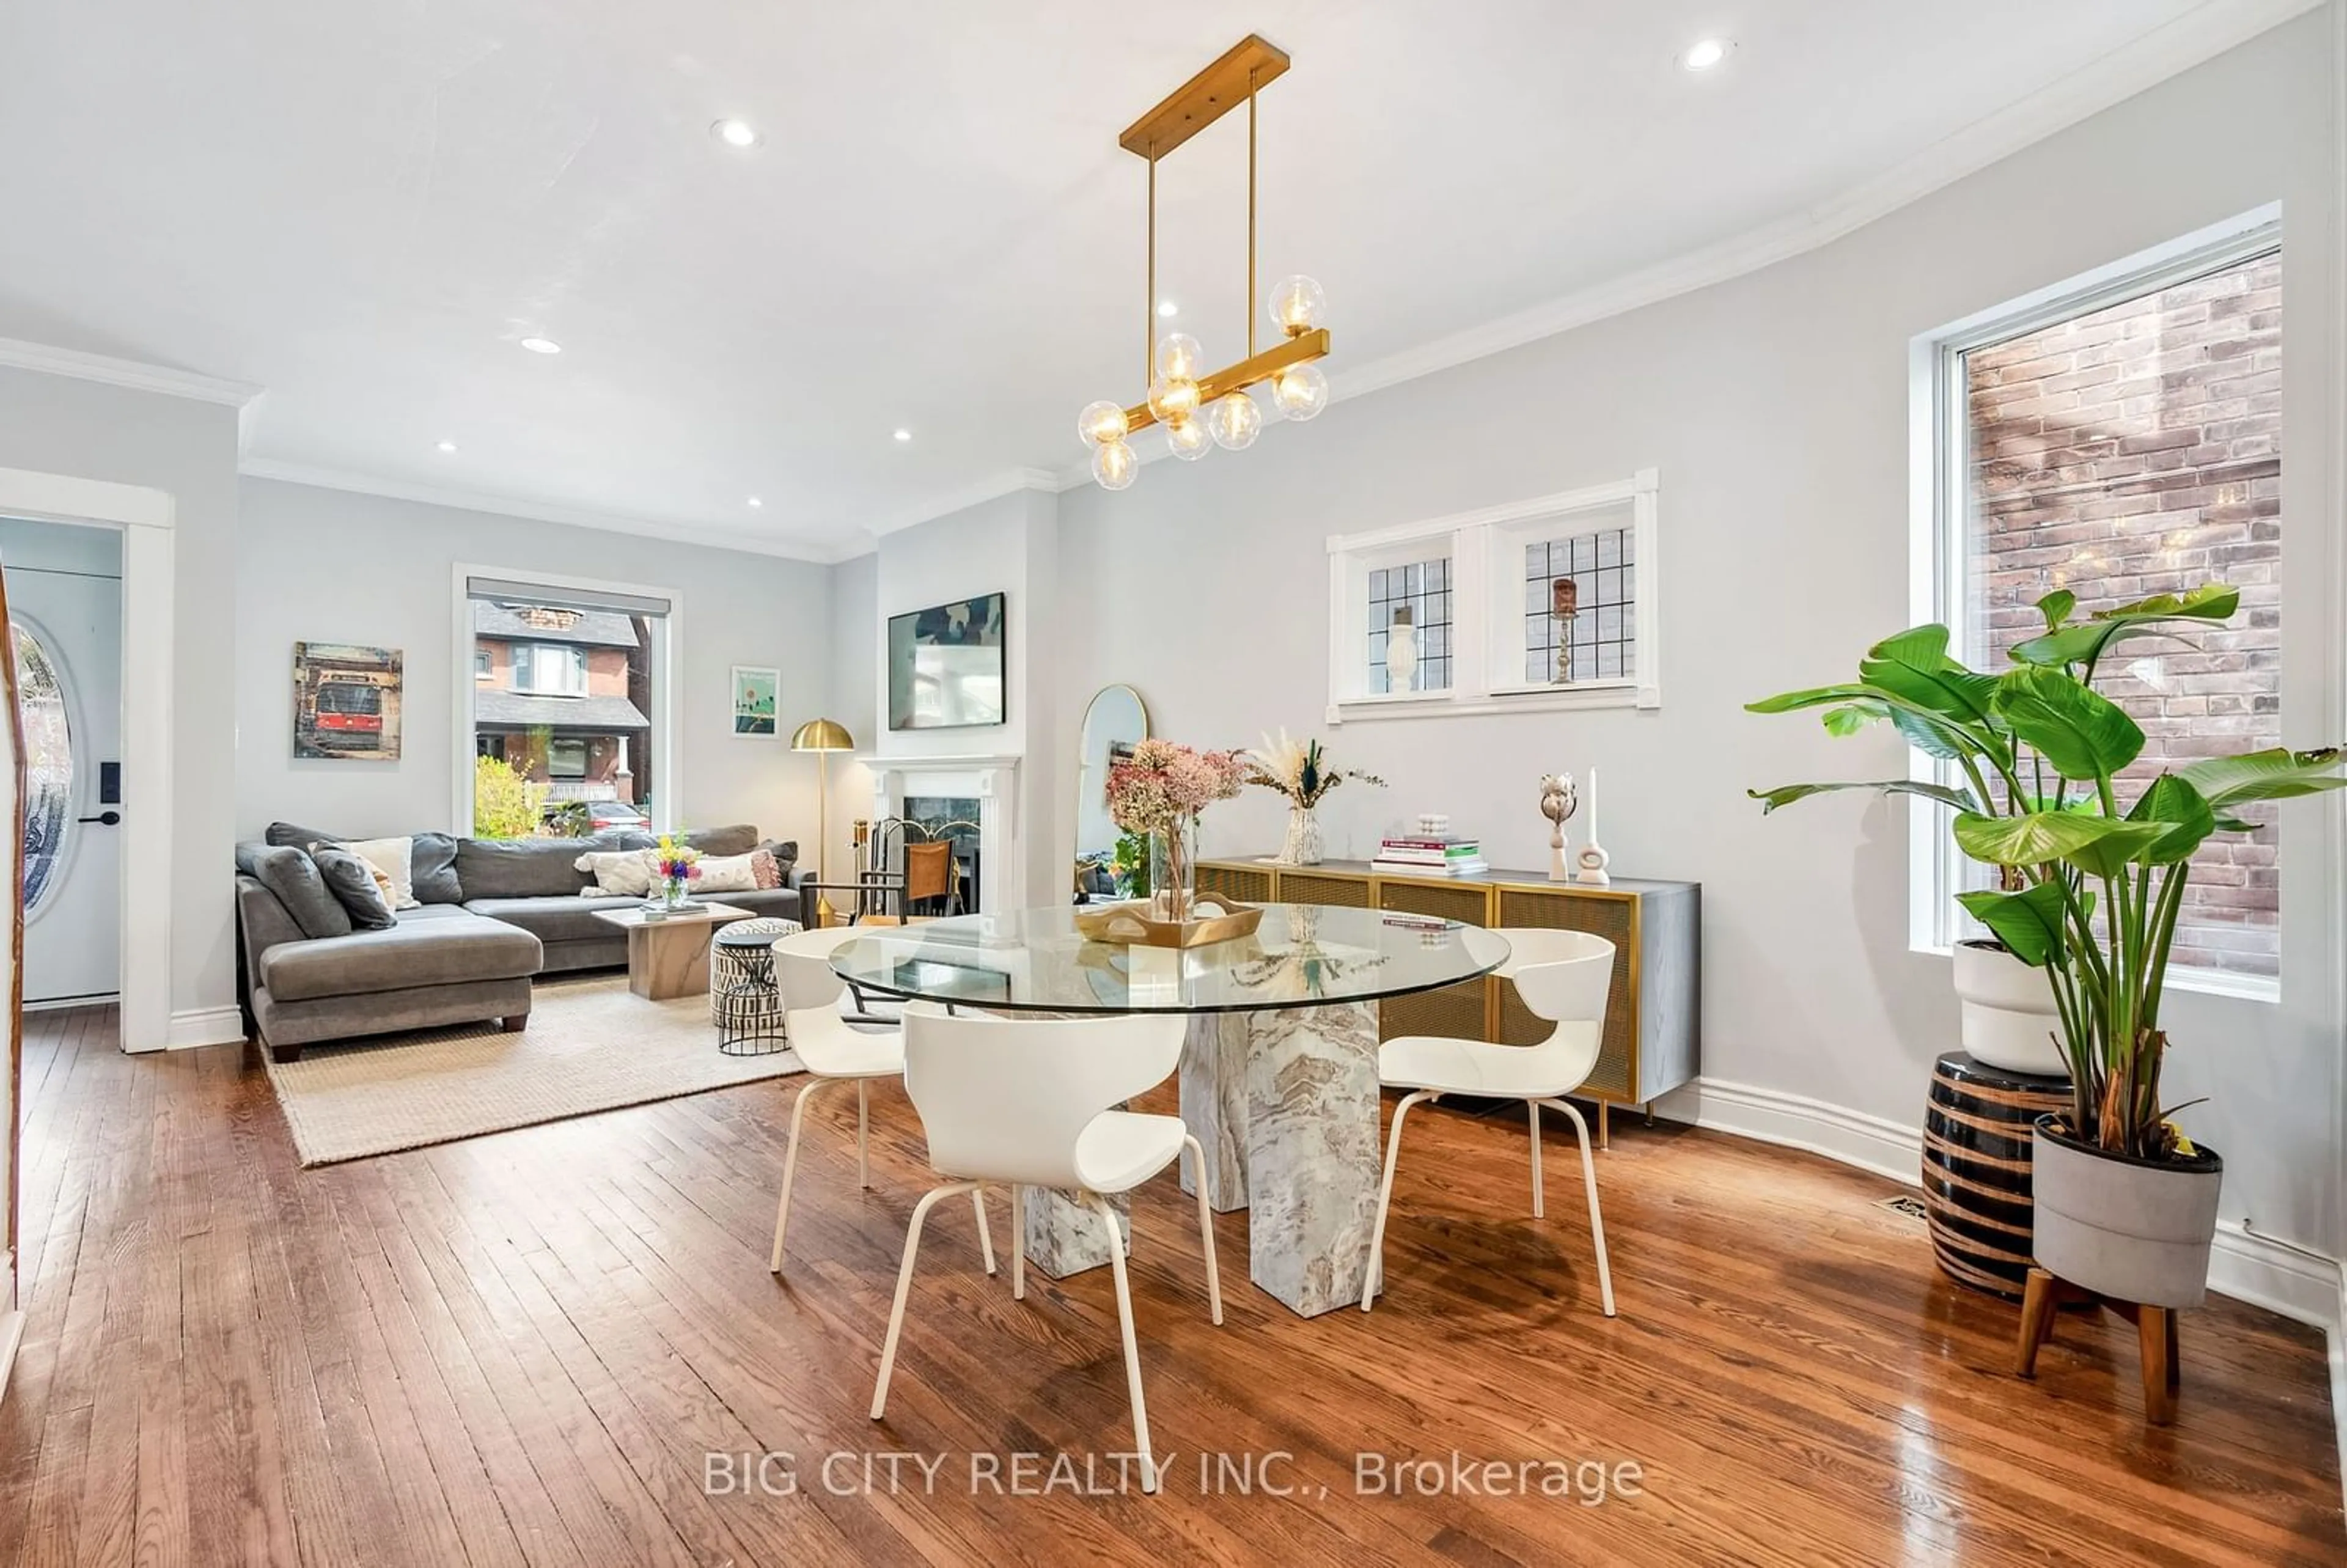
822,737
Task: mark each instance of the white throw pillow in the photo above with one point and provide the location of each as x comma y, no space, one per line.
725,873
394,859
620,873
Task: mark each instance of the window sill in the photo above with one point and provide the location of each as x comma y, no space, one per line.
1507,699
2264,989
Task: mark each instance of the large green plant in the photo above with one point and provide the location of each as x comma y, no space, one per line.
2090,885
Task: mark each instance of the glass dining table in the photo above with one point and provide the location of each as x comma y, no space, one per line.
1278,1077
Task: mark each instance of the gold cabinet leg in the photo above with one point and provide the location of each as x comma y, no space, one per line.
1604,1140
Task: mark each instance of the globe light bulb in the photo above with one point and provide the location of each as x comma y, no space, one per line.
1300,391
1113,464
1101,422
1179,357
1235,421
1189,439
1173,398
1297,303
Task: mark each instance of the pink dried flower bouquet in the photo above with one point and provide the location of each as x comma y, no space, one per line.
1162,785
1159,790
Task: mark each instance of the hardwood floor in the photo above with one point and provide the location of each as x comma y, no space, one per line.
520,1349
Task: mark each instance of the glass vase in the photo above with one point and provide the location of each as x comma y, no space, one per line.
1174,871
672,892
1303,845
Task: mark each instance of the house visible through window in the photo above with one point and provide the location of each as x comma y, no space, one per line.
563,689
2126,446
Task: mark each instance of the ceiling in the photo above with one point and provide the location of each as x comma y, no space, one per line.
363,208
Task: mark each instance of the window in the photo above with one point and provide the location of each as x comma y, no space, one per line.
566,701
48,766
2119,439
1545,603
550,670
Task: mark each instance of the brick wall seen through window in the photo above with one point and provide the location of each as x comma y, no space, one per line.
2134,450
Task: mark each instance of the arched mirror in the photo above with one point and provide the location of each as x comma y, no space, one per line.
1116,721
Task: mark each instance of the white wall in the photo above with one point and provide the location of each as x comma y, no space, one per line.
1012,545
318,565
188,449
1775,406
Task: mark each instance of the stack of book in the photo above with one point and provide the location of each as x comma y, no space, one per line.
1430,854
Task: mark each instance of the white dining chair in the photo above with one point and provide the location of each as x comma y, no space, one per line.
1033,1103
1563,976
834,1050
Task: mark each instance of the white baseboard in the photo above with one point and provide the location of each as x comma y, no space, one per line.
12,1334
1890,1149
204,1026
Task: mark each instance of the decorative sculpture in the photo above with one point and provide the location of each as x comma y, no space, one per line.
1557,802
1594,859
1564,604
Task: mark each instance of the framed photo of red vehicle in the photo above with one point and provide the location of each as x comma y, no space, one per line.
346,702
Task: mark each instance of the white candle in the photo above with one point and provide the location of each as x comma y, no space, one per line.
1592,806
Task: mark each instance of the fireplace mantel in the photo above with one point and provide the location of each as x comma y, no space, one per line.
991,780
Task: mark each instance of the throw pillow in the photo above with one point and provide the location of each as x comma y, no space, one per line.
432,869
739,839
624,872
725,873
293,876
353,881
763,868
284,835
393,857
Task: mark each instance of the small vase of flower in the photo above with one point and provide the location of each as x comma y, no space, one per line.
1158,790
1299,771
674,868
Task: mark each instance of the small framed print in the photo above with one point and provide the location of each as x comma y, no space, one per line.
757,694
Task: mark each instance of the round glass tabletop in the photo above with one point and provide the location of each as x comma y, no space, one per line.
1303,955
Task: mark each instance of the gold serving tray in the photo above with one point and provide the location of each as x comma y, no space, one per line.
1130,924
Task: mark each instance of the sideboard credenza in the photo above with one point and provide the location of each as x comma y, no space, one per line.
1652,1017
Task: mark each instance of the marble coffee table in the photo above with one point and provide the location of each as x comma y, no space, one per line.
668,954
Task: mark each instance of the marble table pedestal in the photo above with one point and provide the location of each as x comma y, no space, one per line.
1285,1103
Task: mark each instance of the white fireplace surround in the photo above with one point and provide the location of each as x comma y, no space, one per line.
993,782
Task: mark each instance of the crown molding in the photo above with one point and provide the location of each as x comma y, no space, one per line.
16,353
2190,40
540,511
1008,482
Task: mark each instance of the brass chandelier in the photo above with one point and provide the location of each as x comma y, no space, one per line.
1202,409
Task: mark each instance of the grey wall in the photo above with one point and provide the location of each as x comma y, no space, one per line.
55,426
328,566
1775,406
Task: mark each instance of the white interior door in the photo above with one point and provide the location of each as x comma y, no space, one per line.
68,627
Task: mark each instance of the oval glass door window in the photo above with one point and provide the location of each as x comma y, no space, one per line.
48,765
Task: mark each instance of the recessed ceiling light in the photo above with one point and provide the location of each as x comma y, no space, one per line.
542,345
755,503
447,445
903,436
1703,53
735,133
1168,308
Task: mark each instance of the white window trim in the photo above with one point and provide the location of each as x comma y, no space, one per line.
667,684
1477,643
1937,441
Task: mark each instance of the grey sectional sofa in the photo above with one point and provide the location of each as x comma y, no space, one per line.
492,914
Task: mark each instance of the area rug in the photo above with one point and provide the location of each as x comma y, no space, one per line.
590,1046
